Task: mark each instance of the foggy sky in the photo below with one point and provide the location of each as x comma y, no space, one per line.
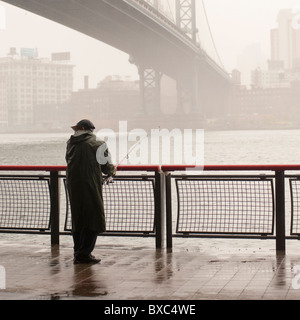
235,24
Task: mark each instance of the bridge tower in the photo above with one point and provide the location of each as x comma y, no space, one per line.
150,78
149,90
186,22
149,82
186,17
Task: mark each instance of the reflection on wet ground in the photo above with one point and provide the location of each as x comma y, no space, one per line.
194,269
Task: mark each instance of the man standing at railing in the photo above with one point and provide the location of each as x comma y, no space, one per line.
84,184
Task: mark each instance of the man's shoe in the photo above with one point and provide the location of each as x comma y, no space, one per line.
92,259
86,259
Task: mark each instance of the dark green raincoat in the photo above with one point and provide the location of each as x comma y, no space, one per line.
84,182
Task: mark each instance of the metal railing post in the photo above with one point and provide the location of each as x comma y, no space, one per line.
280,211
158,211
54,214
168,210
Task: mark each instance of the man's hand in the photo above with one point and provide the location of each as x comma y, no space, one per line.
108,179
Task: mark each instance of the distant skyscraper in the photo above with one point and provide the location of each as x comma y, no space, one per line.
285,40
27,82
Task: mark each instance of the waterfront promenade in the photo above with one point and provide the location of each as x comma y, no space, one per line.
133,269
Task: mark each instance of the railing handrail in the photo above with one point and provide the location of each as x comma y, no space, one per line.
33,168
242,167
155,168
165,168
63,168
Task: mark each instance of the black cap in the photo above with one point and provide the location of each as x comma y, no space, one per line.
86,124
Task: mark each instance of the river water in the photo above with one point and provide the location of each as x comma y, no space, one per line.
220,147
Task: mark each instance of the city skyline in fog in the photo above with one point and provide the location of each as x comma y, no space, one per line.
236,25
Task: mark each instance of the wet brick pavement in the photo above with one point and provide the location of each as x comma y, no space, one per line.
195,269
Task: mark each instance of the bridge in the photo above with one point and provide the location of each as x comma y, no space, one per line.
156,44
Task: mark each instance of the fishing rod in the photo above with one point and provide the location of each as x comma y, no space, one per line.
131,149
109,179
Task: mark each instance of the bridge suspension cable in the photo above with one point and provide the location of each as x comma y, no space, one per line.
210,33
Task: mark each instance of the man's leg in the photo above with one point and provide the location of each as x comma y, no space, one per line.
85,246
88,241
76,241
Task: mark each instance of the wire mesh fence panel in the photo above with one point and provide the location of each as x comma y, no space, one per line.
129,206
225,206
25,204
295,203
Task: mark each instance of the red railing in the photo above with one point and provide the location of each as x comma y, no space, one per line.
163,194
152,168
55,174
279,175
165,168
243,167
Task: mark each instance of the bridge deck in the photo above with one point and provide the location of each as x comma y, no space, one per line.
133,269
